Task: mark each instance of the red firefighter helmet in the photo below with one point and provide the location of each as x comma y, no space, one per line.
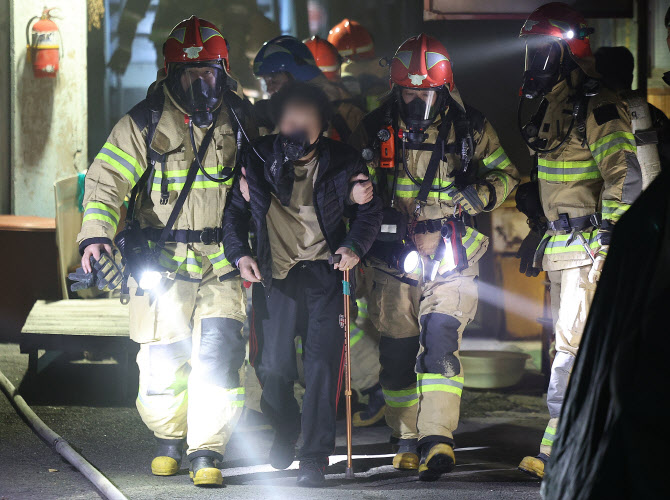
560,21
327,57
422,62
195,40
352,40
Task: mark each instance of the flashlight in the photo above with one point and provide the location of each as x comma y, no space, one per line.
409,259
149,279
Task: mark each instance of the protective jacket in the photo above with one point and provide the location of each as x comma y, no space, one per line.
489,165
595,171
338,162
123,160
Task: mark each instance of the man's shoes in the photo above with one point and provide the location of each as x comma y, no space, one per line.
534,466
312,472
374,412
205,472
436,460
282,452
407,456
168,457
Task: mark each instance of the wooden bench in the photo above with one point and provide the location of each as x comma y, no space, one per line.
94,325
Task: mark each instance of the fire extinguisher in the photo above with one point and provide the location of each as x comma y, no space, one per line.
43,45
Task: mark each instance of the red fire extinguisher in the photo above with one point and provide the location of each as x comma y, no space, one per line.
43,45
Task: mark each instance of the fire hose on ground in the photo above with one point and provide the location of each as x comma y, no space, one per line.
104,486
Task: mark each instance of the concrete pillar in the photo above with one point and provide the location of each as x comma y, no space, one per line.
48,116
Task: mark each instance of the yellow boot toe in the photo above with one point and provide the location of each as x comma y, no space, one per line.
439,460
532,466
406,461
164,466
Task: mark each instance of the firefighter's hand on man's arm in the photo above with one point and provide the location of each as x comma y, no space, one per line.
94,249
249,269
473,198
361,191
348,261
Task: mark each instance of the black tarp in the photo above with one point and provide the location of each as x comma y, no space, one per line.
613,433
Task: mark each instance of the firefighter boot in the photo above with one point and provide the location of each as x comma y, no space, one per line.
204,470
436,459
534,466
375,410
168,457
407,456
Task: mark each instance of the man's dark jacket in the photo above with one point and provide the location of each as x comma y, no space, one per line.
338,162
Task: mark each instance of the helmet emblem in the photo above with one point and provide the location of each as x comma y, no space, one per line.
192,52
416,79
529,24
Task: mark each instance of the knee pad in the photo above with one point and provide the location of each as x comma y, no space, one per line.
397,357
222,350
439,338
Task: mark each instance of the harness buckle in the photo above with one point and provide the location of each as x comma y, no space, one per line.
208,236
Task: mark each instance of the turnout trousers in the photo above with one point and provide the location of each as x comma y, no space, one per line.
421,329
571,298
190,359
308,302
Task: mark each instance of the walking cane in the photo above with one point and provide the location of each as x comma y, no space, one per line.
346,291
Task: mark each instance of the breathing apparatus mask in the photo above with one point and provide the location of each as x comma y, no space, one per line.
205,83
296,145
421,110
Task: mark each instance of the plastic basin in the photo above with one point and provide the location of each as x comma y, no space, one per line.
493,369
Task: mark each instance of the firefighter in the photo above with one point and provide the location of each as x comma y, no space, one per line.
437,163
189,326
326,56
587,176
363,74
300,194
284,59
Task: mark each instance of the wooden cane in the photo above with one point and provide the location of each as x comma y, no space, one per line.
346,291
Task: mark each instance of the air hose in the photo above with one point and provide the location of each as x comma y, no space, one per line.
103,485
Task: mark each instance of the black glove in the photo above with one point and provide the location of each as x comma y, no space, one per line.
105,273
527,251
528,200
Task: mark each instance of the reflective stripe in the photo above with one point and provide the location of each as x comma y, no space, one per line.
498,159
472,241
613,210
504,178
298,346
611,143
401,399
236,397
128,166
549,436
362,306
177,179
218,260
191,263
405,188
567,171
356,334
431,382
559,243
99,211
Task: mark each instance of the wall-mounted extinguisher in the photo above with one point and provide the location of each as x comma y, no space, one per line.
43,45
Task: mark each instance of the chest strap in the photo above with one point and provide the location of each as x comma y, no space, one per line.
208,236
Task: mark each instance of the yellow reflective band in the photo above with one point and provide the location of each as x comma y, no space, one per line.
613,210
611,143
102,218
559,243
128,166
298,346
504,178
401,399
357,334
567,171
218,260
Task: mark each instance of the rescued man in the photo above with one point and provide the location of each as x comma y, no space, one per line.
189,324
299,192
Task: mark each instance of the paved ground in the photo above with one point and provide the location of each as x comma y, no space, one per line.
80,401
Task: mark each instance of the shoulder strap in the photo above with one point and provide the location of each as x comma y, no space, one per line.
433,164
190,177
